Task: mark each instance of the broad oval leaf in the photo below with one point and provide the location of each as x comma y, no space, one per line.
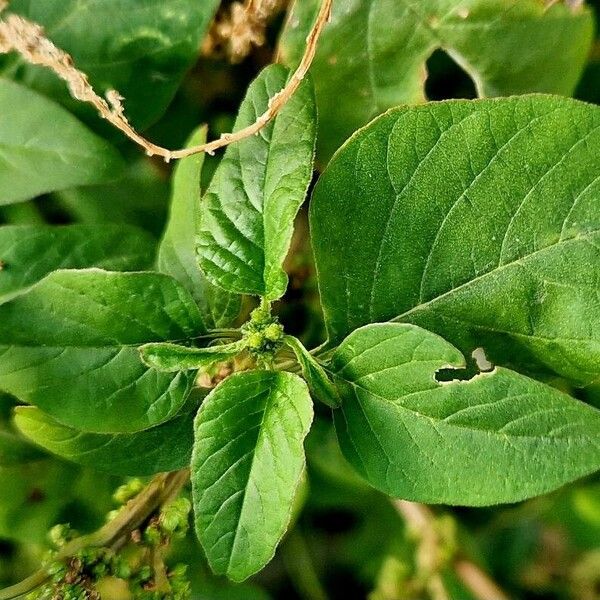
177,251
167,447
30,252
478,220
247,214
381,48
500,437
247,463
43,148
142,49
69,346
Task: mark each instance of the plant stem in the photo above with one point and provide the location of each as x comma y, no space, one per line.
28,39
161,490
300,567
420,520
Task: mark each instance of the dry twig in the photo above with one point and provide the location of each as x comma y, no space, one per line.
28,39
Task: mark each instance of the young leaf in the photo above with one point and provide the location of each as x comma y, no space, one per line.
246,217
44,148
177,255
500,437
16,451
477,220
69,346
376,52
30,252
167,447
317,379
171,358
141,49
247,462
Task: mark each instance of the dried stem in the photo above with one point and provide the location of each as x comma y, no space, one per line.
161,490
28,39
421,522
242,27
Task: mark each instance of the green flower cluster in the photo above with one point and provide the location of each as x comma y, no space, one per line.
263,334
138,562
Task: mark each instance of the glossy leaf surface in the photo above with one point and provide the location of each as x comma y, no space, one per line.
70,346
247,214
373,54
29,252
247,463
499,437
43,148
477,220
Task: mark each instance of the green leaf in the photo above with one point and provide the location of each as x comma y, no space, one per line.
43,148
172,357
478,220
500,437
177,255
140,197
247,215
318,382
16,451
167,447
247,463
142,49
29,252
69,346
376,52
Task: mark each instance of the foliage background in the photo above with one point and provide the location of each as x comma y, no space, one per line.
348,536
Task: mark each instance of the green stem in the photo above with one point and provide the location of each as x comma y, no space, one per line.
300,567
161,490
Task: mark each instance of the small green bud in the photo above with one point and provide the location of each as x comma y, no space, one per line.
128,491
119,568
273,332
260,315
144,574
254,340
60,534
112,514
174,516
152,536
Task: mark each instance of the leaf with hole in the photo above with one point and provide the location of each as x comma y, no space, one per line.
70,347
477,220
247,464
247,214
372,56
499,437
